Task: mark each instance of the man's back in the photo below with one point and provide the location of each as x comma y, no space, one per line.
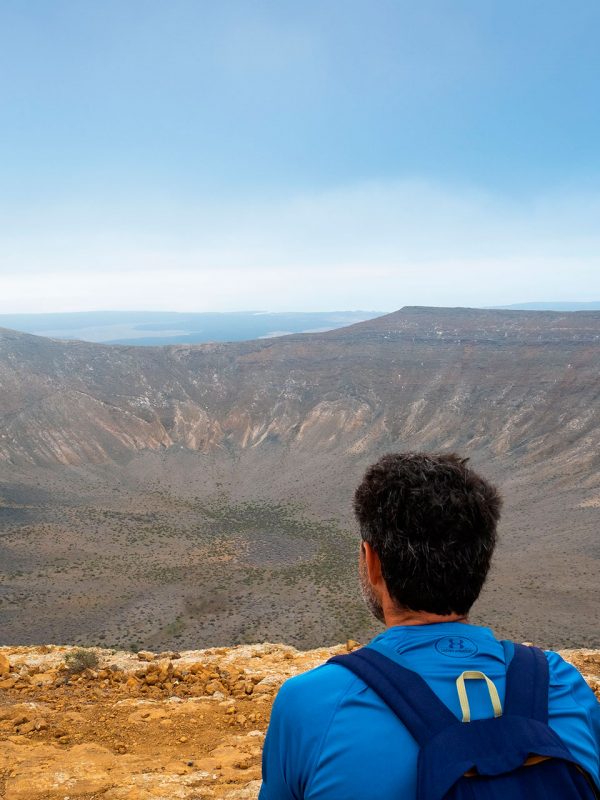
332,737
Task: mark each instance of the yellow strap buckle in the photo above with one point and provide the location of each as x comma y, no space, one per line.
464,699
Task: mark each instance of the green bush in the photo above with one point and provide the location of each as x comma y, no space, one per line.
80,659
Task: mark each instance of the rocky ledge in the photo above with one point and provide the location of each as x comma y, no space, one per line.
96,723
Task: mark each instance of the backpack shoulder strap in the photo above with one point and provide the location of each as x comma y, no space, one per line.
404,691
527,680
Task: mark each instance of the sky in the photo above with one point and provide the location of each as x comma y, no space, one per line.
222,155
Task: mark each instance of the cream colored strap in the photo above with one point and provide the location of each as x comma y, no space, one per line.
463,697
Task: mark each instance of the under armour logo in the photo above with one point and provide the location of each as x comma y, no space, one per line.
456,646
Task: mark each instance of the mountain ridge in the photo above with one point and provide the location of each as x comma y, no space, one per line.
127,398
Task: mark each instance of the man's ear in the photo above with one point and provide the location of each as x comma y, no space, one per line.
373,564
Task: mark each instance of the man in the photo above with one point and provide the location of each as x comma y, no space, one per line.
428,529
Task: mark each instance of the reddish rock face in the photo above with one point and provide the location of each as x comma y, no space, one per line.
144,727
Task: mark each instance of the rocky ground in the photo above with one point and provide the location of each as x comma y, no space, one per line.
148,726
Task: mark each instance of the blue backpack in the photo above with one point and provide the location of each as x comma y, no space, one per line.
512,756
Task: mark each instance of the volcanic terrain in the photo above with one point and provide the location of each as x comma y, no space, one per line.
198,496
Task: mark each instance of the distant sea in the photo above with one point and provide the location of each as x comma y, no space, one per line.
167,327
160,327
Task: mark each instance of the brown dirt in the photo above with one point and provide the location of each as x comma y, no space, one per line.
149,726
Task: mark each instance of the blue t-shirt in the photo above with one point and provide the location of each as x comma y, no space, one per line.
332,738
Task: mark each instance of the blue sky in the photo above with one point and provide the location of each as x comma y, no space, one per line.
227,155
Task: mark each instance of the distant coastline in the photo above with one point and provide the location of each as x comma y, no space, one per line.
154,328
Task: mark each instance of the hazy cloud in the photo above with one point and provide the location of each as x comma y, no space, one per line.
370,245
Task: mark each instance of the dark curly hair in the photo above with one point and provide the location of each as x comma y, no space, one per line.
432,522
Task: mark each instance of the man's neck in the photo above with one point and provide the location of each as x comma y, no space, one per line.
398,616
